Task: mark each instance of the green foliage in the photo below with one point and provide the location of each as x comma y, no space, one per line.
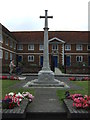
7,86
83,91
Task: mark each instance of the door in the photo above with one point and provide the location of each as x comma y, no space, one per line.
68,61
41,60
55,61
19,58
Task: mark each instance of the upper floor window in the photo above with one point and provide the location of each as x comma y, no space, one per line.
6,42
30,58
41,47
0,38
79,47
11,44
11,56
20,47
1,54
79,58
31,47
14,46
68,47
6,55
54,47
88,47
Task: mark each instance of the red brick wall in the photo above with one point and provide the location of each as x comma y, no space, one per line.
78,70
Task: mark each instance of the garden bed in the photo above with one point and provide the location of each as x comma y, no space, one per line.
17,112
73,112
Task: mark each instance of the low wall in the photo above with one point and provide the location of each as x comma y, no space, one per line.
78,70
24,69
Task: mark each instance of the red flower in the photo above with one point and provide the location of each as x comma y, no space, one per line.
80,102
72,79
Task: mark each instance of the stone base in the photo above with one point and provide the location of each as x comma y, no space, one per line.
46,77
35,83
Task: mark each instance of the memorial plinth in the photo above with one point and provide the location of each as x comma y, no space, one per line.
46,76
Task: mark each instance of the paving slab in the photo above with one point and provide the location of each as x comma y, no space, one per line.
46,101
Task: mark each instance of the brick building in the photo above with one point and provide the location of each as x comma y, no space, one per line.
69,49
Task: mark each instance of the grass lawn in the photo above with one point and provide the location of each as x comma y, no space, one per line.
84,91
6,87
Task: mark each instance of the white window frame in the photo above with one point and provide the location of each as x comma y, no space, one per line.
19,47
41,47
67,47
78,47
54,47
29,56
80,57
6,55
31,47
11,44
0,37
87,47
6,41
11,56
1,54
14,46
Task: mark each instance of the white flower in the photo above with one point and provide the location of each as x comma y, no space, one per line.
11,94
19,94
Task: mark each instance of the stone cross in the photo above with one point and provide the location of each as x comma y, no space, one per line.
46,66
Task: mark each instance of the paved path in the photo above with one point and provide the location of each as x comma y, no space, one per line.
45,101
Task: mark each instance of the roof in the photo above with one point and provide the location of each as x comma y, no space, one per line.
29,36
5,30
35,37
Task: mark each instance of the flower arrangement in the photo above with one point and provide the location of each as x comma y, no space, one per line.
9,77
12,99
79,101
82,102
72,78
81,79
85,78
28,96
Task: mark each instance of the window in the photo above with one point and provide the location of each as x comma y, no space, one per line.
88,47
6,42
54,47
1,54
0,38
14,58
20,47
6,55
14,46
30,58
11,43
79,58
41,47
79,47
67,47
11,56
30,47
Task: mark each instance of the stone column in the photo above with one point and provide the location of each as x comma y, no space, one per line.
46,76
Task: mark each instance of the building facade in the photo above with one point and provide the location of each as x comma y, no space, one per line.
68,49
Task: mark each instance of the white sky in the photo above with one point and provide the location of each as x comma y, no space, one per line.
24,14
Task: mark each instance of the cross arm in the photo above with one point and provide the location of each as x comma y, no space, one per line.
47,17
42,16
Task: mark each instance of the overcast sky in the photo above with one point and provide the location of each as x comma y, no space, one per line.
24,14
